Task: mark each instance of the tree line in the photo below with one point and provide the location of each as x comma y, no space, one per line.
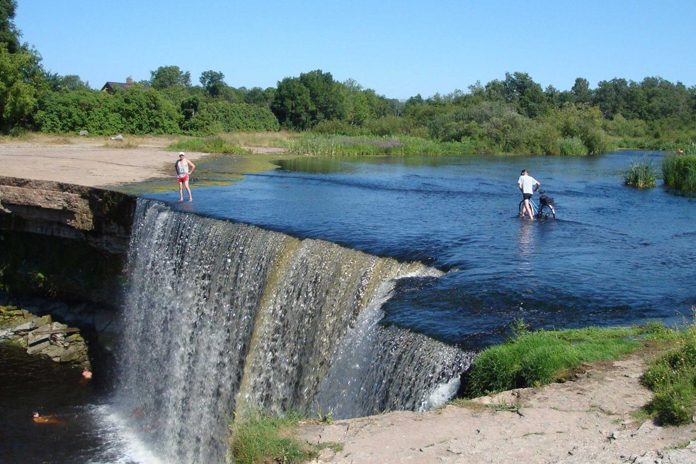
510,115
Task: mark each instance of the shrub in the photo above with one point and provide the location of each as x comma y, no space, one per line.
389,126
679,173
674,405
335,127
134,111
673,379
572,146
640,175
221,116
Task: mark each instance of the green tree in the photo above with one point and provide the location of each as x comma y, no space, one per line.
313,97
581,91
169,76
9,35
292,104
21,82
529,97
213,82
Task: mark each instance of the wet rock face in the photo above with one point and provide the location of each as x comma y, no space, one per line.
63,241
41,336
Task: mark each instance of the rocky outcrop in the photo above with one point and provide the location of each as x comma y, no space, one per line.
100,217
63,241
41,336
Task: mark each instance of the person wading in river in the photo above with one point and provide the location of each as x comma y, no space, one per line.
527,185
182,174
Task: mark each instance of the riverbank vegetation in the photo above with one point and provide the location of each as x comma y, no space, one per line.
679,172
640,175
513,115
537,358
673,379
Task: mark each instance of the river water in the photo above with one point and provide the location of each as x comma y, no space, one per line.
614,255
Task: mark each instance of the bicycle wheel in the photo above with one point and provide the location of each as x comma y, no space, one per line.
546,212
535,209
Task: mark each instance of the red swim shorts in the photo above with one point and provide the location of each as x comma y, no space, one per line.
183,179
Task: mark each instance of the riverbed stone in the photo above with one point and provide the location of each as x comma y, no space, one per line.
25,327
38,348
36,336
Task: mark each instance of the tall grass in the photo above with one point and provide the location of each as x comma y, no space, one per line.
207,145
261,439
542,357
640,175
679,173
345,146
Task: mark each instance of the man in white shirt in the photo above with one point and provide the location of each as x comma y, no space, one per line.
527,185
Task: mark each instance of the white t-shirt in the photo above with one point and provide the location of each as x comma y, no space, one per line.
181,168
527,183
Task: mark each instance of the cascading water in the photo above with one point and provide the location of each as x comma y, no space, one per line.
223,318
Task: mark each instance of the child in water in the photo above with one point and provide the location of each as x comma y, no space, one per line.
51,420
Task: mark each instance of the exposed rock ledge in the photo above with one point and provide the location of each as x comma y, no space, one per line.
101,217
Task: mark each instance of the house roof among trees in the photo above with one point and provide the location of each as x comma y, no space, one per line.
113,86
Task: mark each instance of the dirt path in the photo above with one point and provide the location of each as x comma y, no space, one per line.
585,421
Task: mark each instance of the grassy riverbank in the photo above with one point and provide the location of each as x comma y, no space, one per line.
531,359
679,173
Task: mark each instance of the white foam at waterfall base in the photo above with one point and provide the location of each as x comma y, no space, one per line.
441,395
123,445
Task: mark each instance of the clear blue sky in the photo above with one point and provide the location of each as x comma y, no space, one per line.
399,48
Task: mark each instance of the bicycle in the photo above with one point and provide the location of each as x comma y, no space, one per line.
542,210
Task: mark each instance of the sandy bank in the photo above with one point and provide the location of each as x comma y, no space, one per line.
590,420
89,162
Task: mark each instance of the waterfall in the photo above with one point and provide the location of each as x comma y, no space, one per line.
223,318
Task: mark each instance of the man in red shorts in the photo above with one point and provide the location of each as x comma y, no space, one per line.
184,168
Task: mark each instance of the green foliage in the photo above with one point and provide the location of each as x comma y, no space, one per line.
169,76
679,173
337,145
21,82
9,36
572,146
261,439
220,116
673,379
640,175
134,111
213,82
207,145
538,358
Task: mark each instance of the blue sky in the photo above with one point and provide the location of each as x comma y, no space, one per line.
398,48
